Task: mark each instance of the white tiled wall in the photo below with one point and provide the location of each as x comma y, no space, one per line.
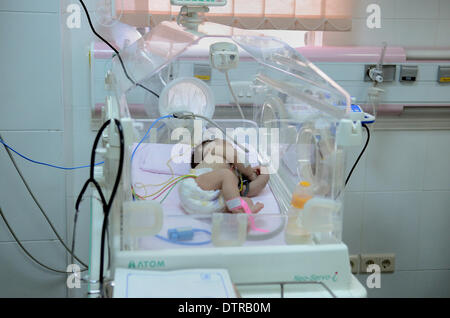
403,23
398,198
399,202
32,120
83,136
20,277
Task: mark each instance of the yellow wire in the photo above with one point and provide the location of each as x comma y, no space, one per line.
144,186
170,180
163,187
171,177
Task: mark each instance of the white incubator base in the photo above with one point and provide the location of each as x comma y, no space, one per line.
257,271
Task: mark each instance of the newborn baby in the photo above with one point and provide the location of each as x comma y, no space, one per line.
222,183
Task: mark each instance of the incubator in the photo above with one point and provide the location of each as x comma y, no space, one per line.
295,126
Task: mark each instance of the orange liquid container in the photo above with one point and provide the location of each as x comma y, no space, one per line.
301,195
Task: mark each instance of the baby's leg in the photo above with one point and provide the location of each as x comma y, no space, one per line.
227,181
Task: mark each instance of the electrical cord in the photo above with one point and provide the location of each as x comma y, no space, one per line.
115,51
234,95
11,157
360,155
43,163
146,134
27,252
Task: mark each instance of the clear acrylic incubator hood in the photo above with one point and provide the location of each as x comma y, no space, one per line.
266,96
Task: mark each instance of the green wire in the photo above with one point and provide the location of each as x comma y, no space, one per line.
170,190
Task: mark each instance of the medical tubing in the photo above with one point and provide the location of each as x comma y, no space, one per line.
89,181
115,51
106,205
41,209
91,171
43,163
113,194
74,231
232,94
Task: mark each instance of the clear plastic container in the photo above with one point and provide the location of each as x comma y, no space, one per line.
295,232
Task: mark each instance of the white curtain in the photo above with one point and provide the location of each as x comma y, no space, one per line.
309,15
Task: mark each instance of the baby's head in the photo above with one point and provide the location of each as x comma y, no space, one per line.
197,152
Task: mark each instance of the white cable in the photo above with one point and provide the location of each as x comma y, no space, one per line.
234,96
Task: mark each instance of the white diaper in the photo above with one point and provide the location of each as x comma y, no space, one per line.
194,200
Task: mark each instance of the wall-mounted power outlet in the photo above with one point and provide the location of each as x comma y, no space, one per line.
354,263
386,262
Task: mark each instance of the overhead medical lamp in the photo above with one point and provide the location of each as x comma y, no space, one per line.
190,9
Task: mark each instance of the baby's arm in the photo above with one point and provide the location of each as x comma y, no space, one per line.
229,153
257,185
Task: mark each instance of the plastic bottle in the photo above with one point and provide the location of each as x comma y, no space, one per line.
296,234
302,193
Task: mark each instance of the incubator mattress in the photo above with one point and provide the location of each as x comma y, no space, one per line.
175,217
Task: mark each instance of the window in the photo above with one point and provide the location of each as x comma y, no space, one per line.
297,22
303,15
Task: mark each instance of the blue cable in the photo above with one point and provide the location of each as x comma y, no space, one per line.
186,243
162,126
43,163
80,167
146,134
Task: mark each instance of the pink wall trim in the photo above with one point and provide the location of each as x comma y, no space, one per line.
102,51
356,54
397,109
383,109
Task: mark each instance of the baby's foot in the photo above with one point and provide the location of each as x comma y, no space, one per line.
257,207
